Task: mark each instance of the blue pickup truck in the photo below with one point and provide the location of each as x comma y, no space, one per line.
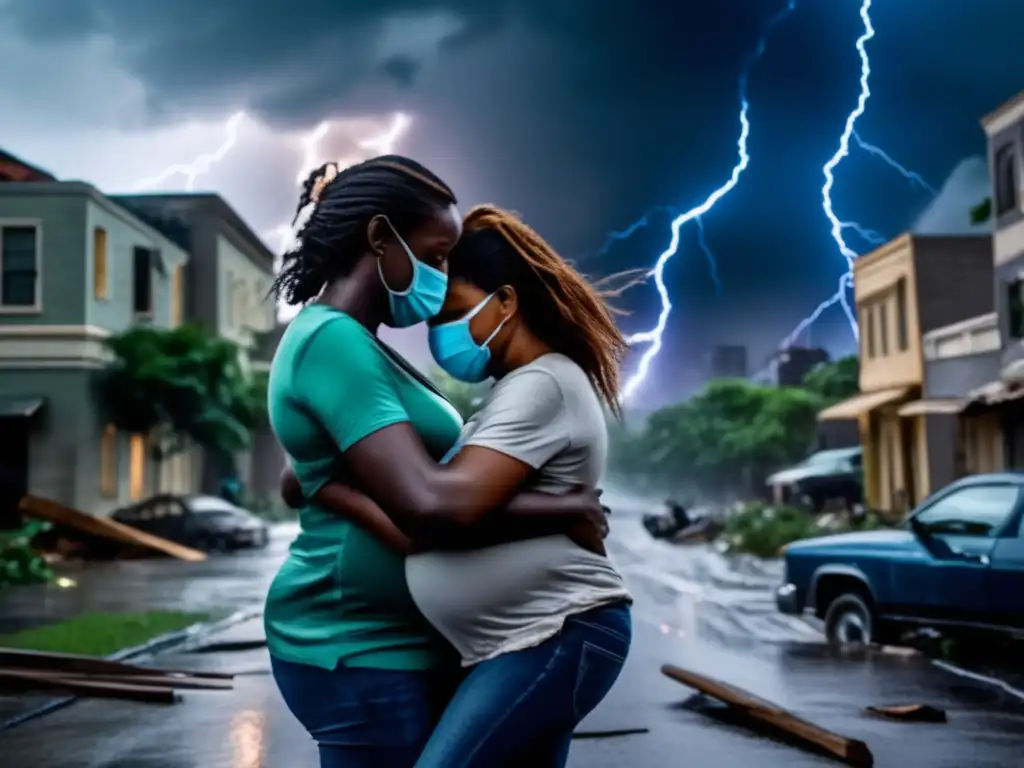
958,564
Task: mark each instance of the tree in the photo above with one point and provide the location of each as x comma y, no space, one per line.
982,212
836,380
722,442
467,398
182,385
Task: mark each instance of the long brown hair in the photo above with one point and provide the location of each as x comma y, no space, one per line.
558,304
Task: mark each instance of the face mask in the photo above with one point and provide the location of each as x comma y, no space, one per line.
454,349
423,298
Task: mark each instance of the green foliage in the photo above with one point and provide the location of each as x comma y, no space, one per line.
763,530
836,380
19,563
272,509
101,634
721,442
467,398
982,212
183,385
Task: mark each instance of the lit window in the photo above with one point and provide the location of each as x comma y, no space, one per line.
137,471
108,462
99,263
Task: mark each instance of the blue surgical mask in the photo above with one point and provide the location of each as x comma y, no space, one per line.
425,295
455,350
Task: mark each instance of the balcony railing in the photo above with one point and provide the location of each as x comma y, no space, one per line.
968,337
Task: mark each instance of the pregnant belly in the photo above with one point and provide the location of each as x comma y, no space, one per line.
502,585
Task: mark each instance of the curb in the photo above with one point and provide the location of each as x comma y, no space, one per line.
179,639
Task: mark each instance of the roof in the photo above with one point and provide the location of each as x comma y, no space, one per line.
1003,108
165,210
16,169
862,403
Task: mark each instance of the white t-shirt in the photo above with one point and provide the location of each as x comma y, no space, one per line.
512,596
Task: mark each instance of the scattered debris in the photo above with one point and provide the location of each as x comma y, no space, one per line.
32,671
609,734
850,751
104,528
230,646
911,713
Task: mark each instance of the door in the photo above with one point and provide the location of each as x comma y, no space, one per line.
1006,577
960,531
13,468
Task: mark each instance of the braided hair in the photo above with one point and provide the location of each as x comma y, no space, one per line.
334,209
557,303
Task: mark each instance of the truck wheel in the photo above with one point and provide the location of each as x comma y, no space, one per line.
849,620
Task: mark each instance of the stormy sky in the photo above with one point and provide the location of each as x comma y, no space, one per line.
580,114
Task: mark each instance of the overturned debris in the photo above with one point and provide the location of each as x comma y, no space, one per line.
104,528
609,734
850,751
910,713
33,671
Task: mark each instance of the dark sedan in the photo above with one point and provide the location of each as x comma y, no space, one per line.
204,522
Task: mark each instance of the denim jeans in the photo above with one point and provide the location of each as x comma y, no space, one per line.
521,708
363,718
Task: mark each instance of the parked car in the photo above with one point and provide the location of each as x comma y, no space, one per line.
957,565
204,522
825,476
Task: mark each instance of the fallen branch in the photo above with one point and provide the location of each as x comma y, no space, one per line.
172,682
850,751
44,661
609,734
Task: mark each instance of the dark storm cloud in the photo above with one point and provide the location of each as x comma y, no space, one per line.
584,113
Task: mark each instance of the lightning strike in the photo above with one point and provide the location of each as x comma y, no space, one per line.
614,236
702,240
382,143
200,165
912,176
654,336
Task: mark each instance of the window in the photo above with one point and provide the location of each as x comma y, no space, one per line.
869,335
977,511
229,298
143,281
99,263
883,327
902,340
1015,308
177,296
19,266
137,468
1006,179
108,462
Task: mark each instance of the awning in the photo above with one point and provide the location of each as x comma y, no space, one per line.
933,405
861,404
20,407
994,393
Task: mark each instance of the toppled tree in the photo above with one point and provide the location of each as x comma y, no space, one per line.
182,386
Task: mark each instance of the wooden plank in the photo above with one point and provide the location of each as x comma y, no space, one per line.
172,682
850,751
910,713
23,682
51,511
75,663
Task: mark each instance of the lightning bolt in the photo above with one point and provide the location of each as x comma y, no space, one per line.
653,337
912,176
201,164
702,241
616,236
873,238
382,143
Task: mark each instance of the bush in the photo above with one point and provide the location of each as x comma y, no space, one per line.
19,562
763,530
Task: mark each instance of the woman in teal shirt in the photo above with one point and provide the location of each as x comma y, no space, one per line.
353,658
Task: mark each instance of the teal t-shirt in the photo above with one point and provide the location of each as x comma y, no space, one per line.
341,598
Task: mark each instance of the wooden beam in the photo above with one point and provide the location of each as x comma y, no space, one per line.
105,527
850,751
44,661
25,682
172,682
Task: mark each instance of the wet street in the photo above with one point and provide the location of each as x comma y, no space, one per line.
693,609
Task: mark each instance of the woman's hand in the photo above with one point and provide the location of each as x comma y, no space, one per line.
291,490
591,527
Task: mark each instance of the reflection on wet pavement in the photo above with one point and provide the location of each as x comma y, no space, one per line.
692,609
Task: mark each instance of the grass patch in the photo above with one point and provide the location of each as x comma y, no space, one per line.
100,634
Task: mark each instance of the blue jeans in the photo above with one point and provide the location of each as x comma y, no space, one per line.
521,708
363,718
